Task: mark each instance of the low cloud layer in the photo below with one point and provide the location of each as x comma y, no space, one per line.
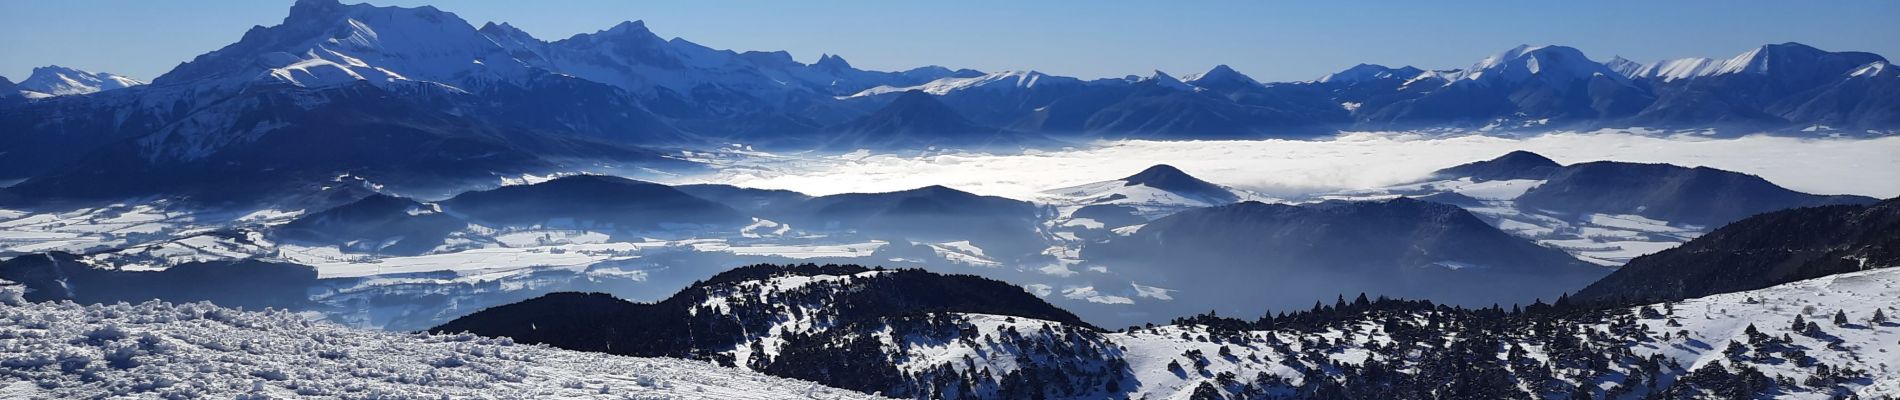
1292,167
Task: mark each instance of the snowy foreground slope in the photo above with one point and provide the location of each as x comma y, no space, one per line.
153,350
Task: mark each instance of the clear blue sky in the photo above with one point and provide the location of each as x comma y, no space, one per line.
1271,40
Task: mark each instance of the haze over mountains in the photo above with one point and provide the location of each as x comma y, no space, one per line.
1156,244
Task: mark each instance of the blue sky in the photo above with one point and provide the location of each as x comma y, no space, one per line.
1270,40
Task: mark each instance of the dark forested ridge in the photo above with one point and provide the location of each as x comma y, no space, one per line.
1289,254
1761,251
684,325
1698,196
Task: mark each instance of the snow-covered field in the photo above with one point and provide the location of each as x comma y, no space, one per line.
161,350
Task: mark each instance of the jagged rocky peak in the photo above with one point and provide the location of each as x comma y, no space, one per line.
832,62
634,28
503,30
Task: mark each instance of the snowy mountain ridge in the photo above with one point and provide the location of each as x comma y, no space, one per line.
1767,59
1553,64
55,80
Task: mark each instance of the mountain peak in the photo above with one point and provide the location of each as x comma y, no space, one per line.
309,8
62,81
832,62
1157,172
1624,66
637,26
326,43
1552,64
1367,72
1221,77
1162,79
1518,164
1167,177
1525,158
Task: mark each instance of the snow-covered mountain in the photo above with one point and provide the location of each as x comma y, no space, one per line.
1367,72
55,80
1788,83
1221,78
325,43
161,349
1526,86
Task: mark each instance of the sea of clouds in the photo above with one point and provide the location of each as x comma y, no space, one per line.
1290,168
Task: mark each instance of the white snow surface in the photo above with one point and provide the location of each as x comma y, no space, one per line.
161,350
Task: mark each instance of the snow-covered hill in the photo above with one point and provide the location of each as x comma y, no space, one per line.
812,324
163,350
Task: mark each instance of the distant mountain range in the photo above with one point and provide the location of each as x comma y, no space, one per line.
446,103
